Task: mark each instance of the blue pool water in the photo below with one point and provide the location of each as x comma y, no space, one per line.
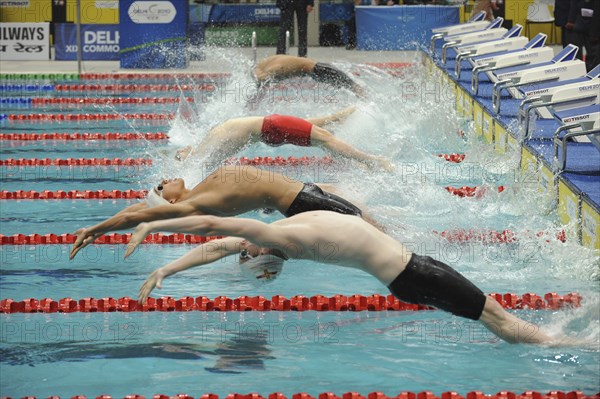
195,353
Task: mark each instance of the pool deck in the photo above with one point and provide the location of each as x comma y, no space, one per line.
212,63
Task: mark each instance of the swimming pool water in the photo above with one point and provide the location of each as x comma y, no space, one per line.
220,352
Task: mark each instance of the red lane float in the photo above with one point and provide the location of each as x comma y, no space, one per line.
457,236
87,117
107,239
109,136
76,162
264,161
149,76
467,191
128,88
297,303
456,158
497,237
72,194
356,395
106,100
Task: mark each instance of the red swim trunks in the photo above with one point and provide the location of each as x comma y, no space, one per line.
284,129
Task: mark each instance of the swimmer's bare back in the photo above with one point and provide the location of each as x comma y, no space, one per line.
283,66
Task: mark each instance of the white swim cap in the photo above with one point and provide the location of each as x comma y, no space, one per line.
263,268
154,199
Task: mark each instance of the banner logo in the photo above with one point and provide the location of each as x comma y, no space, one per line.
152,12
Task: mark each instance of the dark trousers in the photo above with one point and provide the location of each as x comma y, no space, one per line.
582,40
286,23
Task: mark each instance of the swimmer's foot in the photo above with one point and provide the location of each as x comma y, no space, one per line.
343,114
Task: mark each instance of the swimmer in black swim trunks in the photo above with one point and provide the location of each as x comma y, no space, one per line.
312,235
279,67
230,190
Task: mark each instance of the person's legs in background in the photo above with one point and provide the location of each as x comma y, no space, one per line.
285,24
302,18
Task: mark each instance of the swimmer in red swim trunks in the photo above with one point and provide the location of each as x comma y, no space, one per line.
231,136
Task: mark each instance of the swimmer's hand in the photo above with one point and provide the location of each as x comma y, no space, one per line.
154,280
140,232
84,238
183,153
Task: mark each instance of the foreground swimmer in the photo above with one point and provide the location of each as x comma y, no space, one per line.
344,241
279,67
232,135
229,191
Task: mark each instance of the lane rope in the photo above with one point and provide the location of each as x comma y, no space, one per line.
107,239
109,136
149,76
88,117
76,162
456,158
453,236
41,101
128,88
355,395
138,194
298,303
72,194
267,161
466,191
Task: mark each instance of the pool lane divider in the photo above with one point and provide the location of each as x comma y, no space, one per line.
134,88
76,162
356,395
42,101
297,303
88,117
108,136
458,236
265,161
464,191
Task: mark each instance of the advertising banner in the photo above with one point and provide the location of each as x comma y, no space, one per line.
234,13
25,41
98,42
400,27
153,33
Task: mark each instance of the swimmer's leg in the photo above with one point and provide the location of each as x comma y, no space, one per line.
509,327
324,139
337,117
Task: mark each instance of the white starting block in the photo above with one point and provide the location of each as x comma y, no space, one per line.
533,53
488,53
477,22
549,98
493,31
579,122
563,66
488,46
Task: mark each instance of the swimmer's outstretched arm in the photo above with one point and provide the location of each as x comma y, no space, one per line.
253,230
128,218
202,255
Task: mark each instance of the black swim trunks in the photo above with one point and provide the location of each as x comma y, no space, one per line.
312,198
426,281
327,73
